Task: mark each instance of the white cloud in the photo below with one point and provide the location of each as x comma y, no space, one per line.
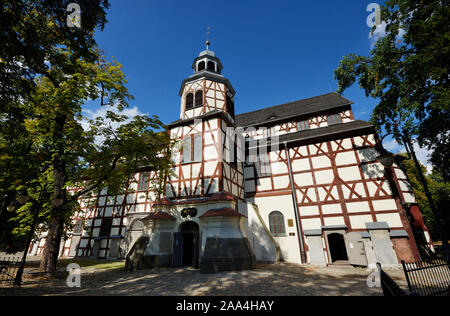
423,155
101,111
378,33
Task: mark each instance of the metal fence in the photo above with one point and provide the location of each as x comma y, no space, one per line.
388,285
430,278
8,269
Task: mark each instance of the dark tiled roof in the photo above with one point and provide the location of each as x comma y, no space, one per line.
321,134
284,111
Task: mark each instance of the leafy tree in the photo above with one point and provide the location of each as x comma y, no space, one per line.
408,72
32,33
440,191
47,73
76,160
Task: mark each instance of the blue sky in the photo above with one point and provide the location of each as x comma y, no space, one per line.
273,52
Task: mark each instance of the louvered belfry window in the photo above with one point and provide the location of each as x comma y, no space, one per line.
189,101
199,98
276,221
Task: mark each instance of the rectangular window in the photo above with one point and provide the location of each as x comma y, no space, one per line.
143,182
192,149
334,119
187,143
267,132
197,148
262,166
303,126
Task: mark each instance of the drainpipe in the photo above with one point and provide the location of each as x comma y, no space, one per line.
294,199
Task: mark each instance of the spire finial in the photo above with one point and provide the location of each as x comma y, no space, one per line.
208,32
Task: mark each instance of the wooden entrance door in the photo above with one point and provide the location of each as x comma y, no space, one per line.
355,249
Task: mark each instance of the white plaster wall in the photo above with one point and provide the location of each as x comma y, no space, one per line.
263,246
289,245
393,219
384,205
359,221
331,209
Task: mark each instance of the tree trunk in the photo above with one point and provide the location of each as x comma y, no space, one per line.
52,244
57,213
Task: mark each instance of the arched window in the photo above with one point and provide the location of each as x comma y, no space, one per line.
211,66
199,98
189,101
201,66
334,119
276,222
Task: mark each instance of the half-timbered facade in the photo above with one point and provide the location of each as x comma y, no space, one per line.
299,182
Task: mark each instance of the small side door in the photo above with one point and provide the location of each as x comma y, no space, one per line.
196,250
355,249
177,253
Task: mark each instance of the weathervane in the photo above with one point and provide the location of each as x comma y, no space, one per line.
208,32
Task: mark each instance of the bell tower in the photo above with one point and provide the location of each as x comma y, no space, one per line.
206,90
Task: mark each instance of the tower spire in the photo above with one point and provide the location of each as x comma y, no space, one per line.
208,32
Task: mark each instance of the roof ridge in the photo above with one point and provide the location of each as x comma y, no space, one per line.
288,103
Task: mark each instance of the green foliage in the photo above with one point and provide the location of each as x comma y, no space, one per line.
440,191
48,72
31,33
407,71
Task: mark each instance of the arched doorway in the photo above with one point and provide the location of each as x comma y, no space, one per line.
186,245
336,245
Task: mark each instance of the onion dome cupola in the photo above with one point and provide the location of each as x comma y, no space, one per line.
206,90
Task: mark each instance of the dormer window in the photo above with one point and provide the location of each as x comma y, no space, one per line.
211,66
201,66
189,101
334,119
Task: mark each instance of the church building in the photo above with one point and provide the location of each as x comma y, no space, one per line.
300,182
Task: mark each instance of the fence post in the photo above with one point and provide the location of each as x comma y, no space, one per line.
407,276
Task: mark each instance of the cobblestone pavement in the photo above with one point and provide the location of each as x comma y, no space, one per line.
267,280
